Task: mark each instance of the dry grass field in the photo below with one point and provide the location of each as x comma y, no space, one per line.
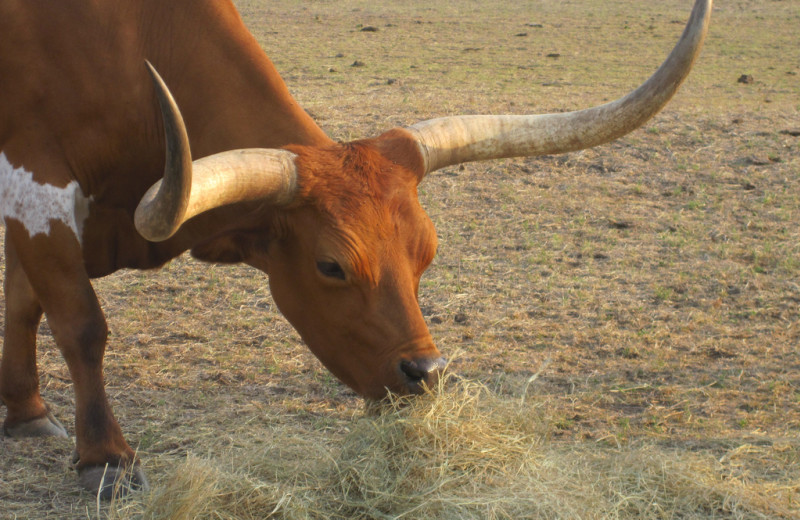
623,321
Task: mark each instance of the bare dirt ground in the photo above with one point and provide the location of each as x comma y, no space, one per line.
643,293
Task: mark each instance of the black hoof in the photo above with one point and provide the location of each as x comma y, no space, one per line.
109,482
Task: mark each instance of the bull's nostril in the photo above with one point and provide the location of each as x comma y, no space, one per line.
412,370
423,370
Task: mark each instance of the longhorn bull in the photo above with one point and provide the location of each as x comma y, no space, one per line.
337,227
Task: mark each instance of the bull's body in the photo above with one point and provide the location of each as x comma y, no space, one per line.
337,227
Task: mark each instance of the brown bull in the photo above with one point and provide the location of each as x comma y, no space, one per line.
337,227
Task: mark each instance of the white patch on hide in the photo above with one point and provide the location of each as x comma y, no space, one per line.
35,205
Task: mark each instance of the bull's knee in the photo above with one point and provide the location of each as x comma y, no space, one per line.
83,344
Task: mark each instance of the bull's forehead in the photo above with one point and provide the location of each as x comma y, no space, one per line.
368,206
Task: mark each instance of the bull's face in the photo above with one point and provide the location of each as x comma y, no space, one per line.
339,231
345,265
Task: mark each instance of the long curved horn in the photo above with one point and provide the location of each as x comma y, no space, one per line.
454,140
160,215
190,188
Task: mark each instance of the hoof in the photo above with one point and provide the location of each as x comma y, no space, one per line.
109,482
47,426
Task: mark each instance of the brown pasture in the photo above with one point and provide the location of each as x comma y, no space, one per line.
623,320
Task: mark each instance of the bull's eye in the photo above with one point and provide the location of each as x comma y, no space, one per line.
331,270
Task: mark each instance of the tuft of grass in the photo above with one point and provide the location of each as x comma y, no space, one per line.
467,452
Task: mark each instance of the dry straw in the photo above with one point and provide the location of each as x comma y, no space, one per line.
462,453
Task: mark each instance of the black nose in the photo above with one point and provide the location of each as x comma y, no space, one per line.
422,372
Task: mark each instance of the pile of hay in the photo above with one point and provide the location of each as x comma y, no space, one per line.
462,453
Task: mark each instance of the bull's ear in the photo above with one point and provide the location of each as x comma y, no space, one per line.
401,147
231,248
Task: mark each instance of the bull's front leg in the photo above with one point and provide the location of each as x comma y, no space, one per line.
54,268
27,414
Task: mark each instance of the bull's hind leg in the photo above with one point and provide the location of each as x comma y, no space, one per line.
54,267
27,414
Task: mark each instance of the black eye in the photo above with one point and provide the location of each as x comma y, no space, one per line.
331,270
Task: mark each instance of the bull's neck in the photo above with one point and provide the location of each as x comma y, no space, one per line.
230,96
229,92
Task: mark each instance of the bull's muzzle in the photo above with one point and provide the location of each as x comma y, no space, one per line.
422,373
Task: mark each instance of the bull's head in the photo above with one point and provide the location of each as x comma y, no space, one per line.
347,240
